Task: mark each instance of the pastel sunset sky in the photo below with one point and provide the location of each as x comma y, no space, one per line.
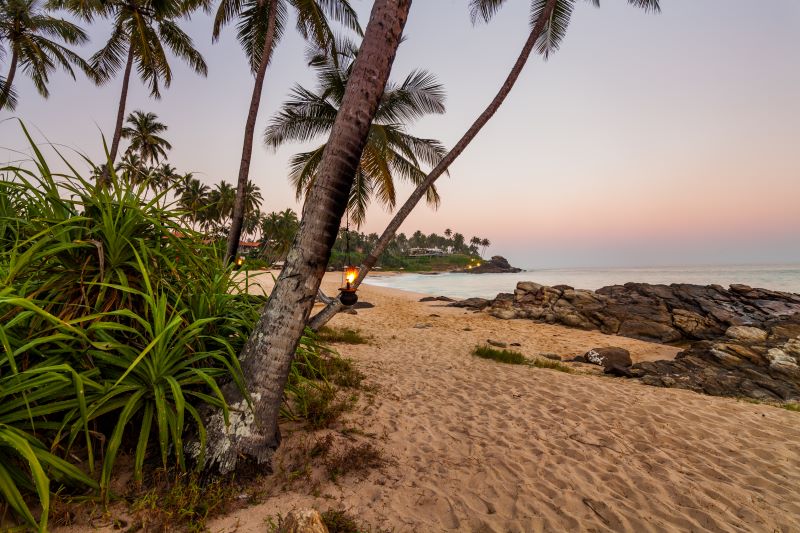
646,140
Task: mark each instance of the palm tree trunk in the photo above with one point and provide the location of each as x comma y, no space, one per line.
253,434
123,98
237,218
330,310
12,69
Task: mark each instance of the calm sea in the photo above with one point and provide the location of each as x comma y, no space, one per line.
775,277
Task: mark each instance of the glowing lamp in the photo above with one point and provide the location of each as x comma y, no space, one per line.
239,262
347,293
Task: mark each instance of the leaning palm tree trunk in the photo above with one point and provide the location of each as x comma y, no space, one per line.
126,78
12,69
253,433
237,217
332,308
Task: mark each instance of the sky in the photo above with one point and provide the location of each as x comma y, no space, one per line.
647,139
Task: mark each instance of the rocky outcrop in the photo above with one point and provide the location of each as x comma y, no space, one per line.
661,313
740,341
496,265
763,364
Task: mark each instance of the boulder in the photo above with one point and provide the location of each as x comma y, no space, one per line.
608,357
304,521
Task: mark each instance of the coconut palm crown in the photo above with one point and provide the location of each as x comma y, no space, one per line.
555,27
143,133
391,152
31,37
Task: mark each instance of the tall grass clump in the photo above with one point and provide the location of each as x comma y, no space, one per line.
511,357
117,324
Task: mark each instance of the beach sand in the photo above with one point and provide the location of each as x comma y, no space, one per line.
476,445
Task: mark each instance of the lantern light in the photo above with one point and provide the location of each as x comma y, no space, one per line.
347,293
350,275
239,262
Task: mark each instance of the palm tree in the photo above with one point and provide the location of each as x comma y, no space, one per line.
474,242
220,207
549,22
268,353
485,243
278,232
132,169
142,31
31,34
252,198
193,200
390,153
143,133
448,233
260,27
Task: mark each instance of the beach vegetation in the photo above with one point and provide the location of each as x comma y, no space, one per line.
342,335
118,325
514,357
551,365
511,357
359,458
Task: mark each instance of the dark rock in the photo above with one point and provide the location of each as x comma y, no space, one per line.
436,299
515,344
609,357
471,303
423,325
362,305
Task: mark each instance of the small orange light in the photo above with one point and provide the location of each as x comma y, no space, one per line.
350,275
239,261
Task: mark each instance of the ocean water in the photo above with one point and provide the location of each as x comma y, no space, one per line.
774,277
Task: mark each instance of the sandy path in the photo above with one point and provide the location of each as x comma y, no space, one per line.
481,446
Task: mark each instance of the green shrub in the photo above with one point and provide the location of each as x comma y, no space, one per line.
112,315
